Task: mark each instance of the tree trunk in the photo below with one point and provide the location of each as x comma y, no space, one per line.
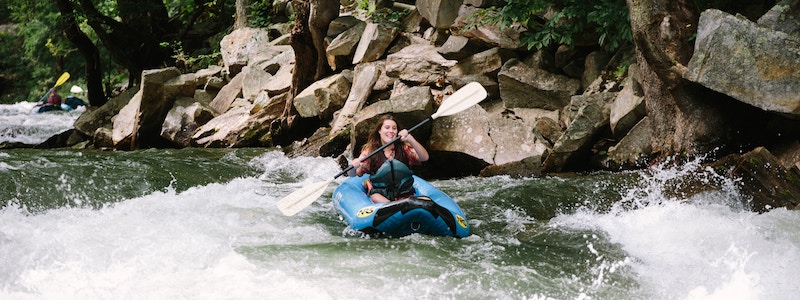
242,14
321,13
93,69
305,55
302,75
686,117
312,19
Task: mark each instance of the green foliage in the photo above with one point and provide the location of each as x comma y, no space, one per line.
622,70
380,15
612,23
39,53
553,22
36,52
11,83
191,63
260,13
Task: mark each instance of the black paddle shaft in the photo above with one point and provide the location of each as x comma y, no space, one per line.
350,167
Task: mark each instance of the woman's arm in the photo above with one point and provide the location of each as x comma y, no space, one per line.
422,154
357,164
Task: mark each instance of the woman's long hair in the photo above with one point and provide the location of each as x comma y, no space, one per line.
374,142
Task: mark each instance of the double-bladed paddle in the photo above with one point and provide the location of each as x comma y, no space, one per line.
465,97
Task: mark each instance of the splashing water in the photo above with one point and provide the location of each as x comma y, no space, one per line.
705,246
19,123
202,224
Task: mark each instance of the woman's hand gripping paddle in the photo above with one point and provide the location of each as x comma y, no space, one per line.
465,97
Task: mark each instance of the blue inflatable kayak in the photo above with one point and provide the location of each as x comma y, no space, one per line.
70,104
429,211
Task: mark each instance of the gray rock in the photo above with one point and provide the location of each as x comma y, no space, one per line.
418,63
626,110
363,80
183,119
240,46
784,16
439,13
374,42
507,38
138,124
632,150
323,97
341,49
222,102
527,87
591,116
752,64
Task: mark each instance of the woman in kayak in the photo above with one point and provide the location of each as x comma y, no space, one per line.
390,179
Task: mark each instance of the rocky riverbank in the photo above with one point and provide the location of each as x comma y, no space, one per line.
549,111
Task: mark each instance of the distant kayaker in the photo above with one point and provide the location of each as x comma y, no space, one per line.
394,180
54,99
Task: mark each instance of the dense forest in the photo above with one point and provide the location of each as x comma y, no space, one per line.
105,44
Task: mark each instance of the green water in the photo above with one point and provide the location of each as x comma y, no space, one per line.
202,224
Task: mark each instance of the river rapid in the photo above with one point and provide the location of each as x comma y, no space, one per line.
202,224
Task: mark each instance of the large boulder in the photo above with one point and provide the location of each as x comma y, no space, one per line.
789,154
241,46
323,97
254,81
245,124
753,64
364,79
275,58
101,117
763,179
124,124
138,124
503,37
418,63
519,148
230,92
184,118
374,41
626,110
591,114
458,47
221,132
462,140
210,78
484,62
439,13
528,87
633,149
341,49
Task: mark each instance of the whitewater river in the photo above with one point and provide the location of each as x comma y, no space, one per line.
202,224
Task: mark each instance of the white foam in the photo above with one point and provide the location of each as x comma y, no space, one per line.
701,247
19,123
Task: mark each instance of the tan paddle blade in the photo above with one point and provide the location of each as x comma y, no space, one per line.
299,199
465,97
64,77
